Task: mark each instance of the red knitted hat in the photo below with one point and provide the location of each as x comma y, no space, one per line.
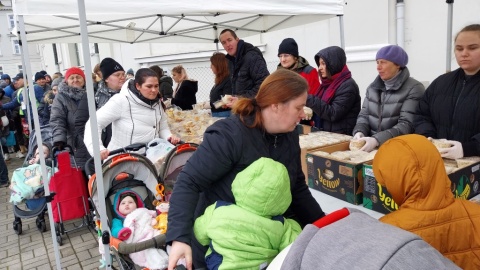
74,70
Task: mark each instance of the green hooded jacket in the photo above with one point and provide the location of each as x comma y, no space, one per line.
250,233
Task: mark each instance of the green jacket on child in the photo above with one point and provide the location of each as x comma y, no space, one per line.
251,232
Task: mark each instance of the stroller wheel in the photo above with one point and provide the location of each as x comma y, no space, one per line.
17,227
59,240
59,235
41,226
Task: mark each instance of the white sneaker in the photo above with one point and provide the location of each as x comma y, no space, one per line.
20,155
6,157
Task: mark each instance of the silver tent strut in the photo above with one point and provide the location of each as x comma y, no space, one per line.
93,124
448,67
26,90
38,134
342,32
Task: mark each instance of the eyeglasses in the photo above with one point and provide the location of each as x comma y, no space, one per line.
284,55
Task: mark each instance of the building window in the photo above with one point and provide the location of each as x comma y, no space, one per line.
11,21
20,69
1,70
16,47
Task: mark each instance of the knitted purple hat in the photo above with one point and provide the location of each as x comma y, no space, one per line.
393,53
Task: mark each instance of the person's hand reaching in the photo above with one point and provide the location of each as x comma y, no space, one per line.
358,135
454,152
370,144
178,251
173,140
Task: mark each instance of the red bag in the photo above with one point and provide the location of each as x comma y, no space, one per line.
71,199
25,130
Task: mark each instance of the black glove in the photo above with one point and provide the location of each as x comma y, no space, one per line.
59,145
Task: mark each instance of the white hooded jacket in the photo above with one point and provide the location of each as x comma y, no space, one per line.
133,121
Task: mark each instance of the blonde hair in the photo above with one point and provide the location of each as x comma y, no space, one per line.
181,71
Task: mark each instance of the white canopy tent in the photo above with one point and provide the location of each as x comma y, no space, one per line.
69,21
48,21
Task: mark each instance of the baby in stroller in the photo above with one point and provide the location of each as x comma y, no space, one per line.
27,186
36,156
137,226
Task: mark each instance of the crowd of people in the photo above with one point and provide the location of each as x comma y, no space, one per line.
261,112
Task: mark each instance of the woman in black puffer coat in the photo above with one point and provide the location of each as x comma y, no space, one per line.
337,102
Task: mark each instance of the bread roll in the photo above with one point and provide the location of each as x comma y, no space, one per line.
356,144
441,143
466,161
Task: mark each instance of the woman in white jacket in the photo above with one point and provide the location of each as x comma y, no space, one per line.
137,115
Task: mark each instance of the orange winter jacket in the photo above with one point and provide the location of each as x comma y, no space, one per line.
412,170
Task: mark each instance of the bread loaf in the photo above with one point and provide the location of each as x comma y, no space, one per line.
356,144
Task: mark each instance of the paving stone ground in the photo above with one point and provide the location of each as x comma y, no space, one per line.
34,249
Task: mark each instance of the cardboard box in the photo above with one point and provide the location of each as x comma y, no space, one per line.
465,185
315,142
340,179
466,181
376,197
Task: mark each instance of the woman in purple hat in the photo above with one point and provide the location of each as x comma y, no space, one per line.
390,102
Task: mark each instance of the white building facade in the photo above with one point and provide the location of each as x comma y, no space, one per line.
420,27
10,50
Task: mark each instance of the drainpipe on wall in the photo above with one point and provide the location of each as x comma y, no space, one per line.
392,24
449,36
401,23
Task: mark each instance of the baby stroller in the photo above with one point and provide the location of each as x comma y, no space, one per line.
173,164
47,137
35,207
126,170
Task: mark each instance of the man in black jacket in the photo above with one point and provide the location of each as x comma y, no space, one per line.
247,66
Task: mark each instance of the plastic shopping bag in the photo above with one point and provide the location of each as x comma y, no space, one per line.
158,149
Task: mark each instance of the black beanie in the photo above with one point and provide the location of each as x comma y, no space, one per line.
289,46
108,66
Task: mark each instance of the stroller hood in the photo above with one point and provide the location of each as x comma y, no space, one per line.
116,201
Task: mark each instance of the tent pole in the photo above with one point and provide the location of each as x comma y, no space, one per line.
342,32
26,82
449,36
216,37
38,134
95,138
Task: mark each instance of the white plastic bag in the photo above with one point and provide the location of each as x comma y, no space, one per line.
158,148
5,121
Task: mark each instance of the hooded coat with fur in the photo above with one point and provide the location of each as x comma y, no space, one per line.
411,169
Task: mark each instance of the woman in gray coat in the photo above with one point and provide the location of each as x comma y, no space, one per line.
390,102
64,108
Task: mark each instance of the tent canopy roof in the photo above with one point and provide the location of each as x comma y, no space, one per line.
56,21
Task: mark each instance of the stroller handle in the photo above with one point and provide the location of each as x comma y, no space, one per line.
56,150
129,148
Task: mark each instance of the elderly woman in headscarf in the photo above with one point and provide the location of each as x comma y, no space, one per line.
336,104
64,107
